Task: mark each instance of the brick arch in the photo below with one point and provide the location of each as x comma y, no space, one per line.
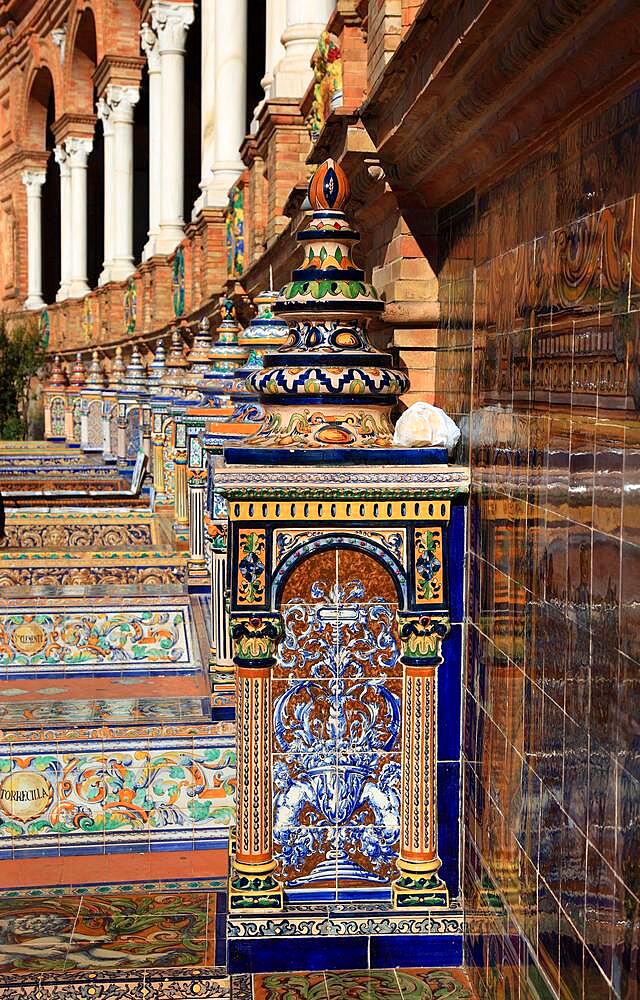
84,52
40,87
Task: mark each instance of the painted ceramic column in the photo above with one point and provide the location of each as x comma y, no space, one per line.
418,862
252,883
273,52
221,635
197,485
306,19
181,505
122,101
158,466
171,22
229,112
104,114
62,160
78,151
33,181
149,42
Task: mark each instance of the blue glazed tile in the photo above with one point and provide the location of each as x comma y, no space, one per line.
449,696
448,825
287,955
456,562
416,951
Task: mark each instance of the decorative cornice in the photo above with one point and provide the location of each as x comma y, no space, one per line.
467,97
399,481
74,126
121,71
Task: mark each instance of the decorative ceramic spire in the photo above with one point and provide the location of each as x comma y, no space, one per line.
96,378
264,332
327,387
57,377
158,365
118,369
200,357
265,329
78,372
136,376
176,366
226,354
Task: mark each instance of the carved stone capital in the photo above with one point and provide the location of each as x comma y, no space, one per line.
78,151
171,21
121,101
33,181
150,47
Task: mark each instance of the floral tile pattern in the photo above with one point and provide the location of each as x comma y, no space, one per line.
374,984
336,724
133,931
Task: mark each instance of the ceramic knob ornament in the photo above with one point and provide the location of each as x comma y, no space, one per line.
327,388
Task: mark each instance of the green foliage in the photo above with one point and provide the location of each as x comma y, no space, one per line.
22,355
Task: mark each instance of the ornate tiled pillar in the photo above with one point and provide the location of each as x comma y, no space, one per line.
252,883
158,464
181,503
418,862
197,486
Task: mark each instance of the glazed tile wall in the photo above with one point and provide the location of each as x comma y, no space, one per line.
539,361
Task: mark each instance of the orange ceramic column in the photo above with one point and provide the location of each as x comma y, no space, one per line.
418,883
252,883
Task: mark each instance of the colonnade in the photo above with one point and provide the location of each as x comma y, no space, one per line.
292,31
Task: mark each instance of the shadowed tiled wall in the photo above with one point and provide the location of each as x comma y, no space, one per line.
538,358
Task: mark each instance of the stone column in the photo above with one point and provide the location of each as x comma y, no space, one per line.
122,101
197,486
78,152
180,501
418,883
62,160
171,22
104,114
33,181
306,19
207,99
229,112
252,883
149,41
273,51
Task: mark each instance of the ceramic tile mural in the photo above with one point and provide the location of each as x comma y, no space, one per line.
84,640
78,796
336,769
540,292
382,984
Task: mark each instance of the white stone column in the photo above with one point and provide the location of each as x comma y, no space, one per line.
171,22
207,99
229,98
122,101
306,19
78,151
149,42
33,181
276,22
62,159
105,116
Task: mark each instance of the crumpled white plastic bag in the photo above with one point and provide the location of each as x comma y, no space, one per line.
425,426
